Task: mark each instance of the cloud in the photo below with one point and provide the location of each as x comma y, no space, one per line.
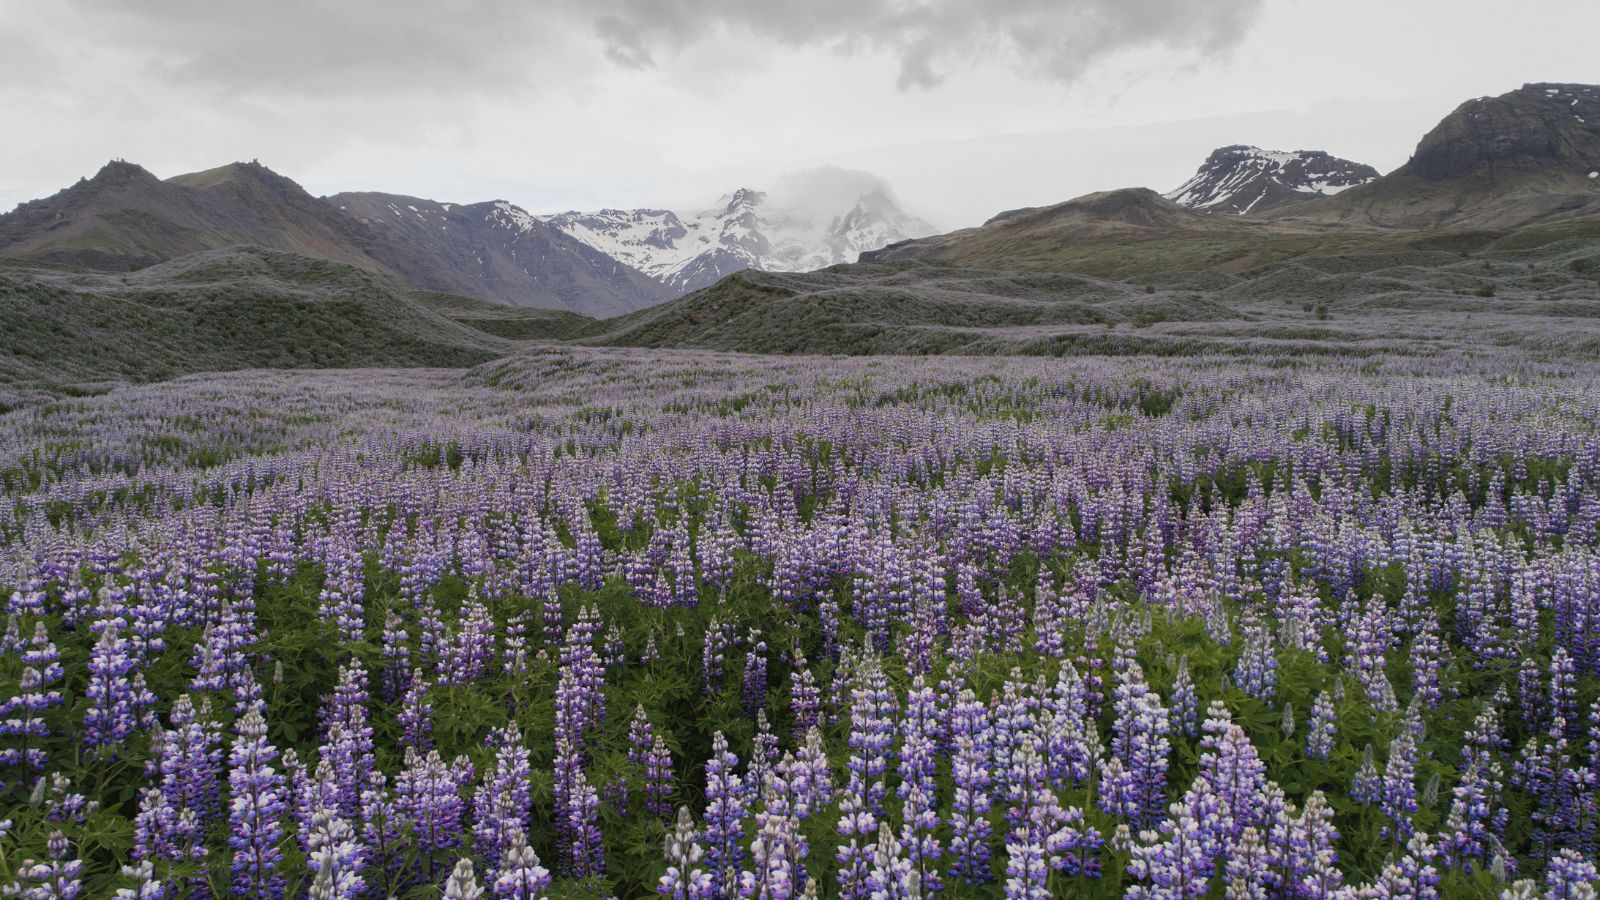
1051,39
309,48
826,190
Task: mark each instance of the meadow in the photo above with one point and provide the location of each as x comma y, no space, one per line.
586,622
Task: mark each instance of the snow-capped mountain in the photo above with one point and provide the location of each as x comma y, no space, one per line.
745,230
498,251
1241,179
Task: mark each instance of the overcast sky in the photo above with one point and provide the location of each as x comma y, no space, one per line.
965,107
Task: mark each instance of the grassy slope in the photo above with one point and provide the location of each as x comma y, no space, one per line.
517,323
1545,299
67,330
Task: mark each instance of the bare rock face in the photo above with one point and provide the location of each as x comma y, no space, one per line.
498,251
1240,179
1535,127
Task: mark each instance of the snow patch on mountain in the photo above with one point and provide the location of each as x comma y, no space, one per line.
1242,179
747,229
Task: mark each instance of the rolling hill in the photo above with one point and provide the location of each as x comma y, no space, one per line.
69,330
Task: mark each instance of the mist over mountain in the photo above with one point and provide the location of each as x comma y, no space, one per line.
811,220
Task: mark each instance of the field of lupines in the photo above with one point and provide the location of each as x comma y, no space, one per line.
585,623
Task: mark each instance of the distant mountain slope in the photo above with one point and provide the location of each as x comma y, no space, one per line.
1517,170
1115,234
1545,300
745,230
125,217
497,251
1241,179
1528,156
237,308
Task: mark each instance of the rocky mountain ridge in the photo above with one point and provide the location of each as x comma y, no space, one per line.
1241,179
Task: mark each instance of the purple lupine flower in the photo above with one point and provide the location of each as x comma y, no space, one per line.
581,817
111,716
396,654
805,697
856,822
1427,661
809,776
1570,876
683,879
1234,771
462,883
754,690
1413,874
520,876
1563,688
1136,787
1399,791
57,879
334,857
1176,862
1075,845
1366,788
144,884
714,655
893,876
777,850
1304,850
502,806
1185,703
641,736
1257,671
580,699
428,794
1034,814
919,824
1072,739
163,832
969,815
725,815
257,792
187,759
21,715
343,593
872,707
516,654
416,714
763,756
349,747
658,779
465,655
1249,868
382,832
1321,727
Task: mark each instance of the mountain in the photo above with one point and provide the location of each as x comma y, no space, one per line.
745,230
1525,157
497,251
64,329
1241,179
1114,234
125,217
1515,171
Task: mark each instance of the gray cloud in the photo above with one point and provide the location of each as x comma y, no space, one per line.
310,48
1055,39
